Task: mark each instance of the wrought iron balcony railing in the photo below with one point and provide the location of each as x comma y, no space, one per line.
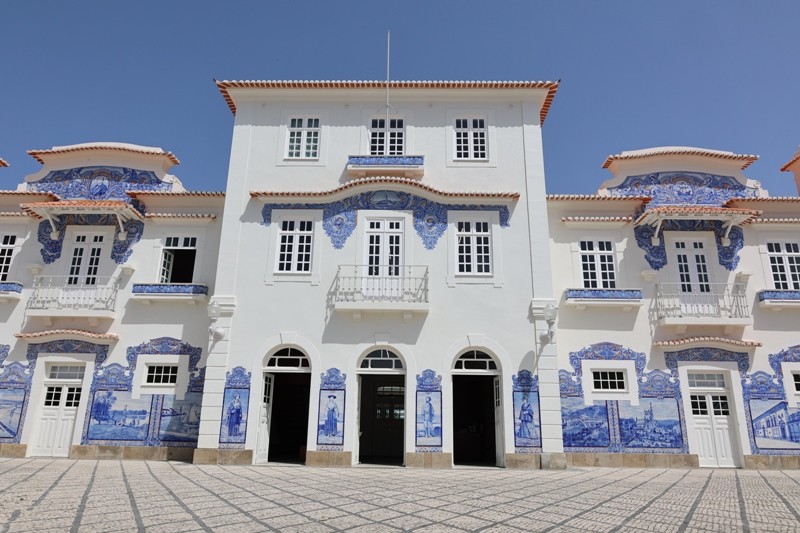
701,300
381,284
75,293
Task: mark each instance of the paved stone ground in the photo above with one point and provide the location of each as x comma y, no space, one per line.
64,495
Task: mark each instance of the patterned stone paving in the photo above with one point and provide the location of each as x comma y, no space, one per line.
65,495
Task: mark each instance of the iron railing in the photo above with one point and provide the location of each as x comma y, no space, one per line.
381,283
701,300
79,293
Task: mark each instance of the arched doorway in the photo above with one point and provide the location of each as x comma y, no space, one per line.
283,413
477,410
382,408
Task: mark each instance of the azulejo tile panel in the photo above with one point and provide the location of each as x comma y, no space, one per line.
386,160
236,398
605,294
429,423
331,418
168,288
527,416
98,183
656,254
656,424
786,295
120,251
683,188
430,218
15,388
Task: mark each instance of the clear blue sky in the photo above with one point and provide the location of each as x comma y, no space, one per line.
635,74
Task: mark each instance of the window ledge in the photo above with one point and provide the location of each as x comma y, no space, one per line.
777,300
407,309
624,299
407,166
10,291
169,292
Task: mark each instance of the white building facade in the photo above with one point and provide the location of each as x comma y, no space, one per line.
678,339
383,278
106,263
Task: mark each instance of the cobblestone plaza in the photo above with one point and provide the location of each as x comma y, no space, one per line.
62,495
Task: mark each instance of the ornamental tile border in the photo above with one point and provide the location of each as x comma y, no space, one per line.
99,183
683,188
604,294
168,288
656,254
120,251
11,286
783,295
430,218
387,161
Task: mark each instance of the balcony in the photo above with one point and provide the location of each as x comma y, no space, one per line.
169,292
10,291
624,299
91,297
406,166
381,288
778,300
702,304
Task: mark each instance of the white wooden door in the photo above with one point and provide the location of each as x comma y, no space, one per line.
264,419
384,260
499,450
714,429
82,274
693,276
57,420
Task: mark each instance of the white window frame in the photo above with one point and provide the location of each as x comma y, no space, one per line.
273,275
144,361
282,158
468,256
306,132
105,267
472,134
597,256
590,394
489,116
789,371
625,380
182,238
9,252
288,262
387,131
154,366
618,244
792,279
454,277
366,130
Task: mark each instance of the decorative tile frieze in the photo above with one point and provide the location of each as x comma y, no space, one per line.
656,254
604,294
741,359
782,295
683,188
168,288
386,160
10,286
98,183
430,218
120,251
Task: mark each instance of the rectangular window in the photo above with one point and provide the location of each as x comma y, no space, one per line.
796,378
699,404
66,371
471,138
73,397
707,380
295,240
719,404
385,140
474,248
6,251
52,397
177,261
162,374
784,262
303,140
597,265
605,380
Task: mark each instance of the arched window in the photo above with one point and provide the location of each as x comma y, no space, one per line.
288,358
475,360
382,360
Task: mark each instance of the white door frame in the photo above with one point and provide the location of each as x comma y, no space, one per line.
272,371
740,444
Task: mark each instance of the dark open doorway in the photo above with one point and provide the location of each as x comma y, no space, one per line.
473,420
382,419
289,424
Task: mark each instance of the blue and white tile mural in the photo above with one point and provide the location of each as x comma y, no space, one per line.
116,416
655,425
775,425
180,419
233,427
330,419
11,404
527,420
428,418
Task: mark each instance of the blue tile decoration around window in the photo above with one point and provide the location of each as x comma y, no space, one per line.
656,424
527,415
656,254
430,218
330,417
99,183
236,398
783,295
15,391
115,418
386,160
168,288
741,359
683,188
605,294
11,286
120,251
429,423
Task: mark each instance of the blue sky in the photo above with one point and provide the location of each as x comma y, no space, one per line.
635,74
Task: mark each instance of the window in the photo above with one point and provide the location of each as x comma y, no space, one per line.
294,246
796,378
73,397
597,265
699,404
719,405
288,358
475,360
303,138
382,359
66,371
784,262
6,251
162,374
707,380
85,261
606,380
473,248
52,397
387,141
177,262
471,138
